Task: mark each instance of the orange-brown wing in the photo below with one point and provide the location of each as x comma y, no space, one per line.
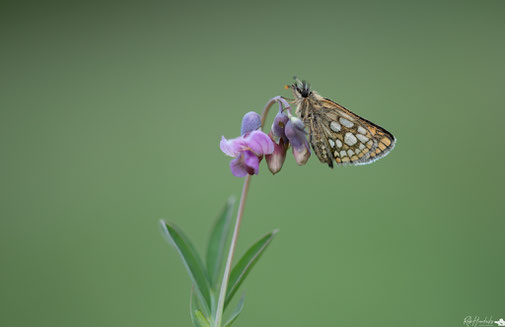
352,139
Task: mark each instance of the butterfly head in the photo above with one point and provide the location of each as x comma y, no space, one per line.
301,89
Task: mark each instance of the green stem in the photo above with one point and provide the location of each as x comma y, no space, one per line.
224,284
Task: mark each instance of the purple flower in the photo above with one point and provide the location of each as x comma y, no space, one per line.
249,148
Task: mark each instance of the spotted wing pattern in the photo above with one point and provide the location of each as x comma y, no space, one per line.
337,134
352,139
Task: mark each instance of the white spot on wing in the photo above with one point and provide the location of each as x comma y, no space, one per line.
350,152
361,146
361,130
332,144
343,153
335,126
362,138
339,143
346,123
350,139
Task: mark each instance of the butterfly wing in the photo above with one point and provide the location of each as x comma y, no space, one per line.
319,142
350,138
314,125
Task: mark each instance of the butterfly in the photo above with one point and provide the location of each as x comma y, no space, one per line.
337,134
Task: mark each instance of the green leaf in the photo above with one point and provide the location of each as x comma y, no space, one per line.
245,264
197,317
216,249
202,321
236,312
192,262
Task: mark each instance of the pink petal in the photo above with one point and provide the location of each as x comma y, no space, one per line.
260,143
237,168
251,162
232,147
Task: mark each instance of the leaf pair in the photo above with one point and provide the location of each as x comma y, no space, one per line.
199,319
206,278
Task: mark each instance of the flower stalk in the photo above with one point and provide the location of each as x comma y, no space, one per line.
233,245
245,190
246,151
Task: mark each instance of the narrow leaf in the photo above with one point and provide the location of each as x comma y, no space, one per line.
201,320
245,264
236,312
191,260
216,249
196,311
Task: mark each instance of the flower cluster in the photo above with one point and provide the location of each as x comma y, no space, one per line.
249,148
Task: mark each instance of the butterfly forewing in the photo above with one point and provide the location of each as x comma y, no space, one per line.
352,139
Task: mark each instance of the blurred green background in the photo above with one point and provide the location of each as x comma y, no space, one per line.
111,115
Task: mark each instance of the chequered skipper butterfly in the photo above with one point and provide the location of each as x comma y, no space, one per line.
337,134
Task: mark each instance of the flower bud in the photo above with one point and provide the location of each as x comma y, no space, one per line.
298,123
279,125
250,122
301,155
295,132
276,159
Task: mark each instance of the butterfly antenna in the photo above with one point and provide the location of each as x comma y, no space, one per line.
305,86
